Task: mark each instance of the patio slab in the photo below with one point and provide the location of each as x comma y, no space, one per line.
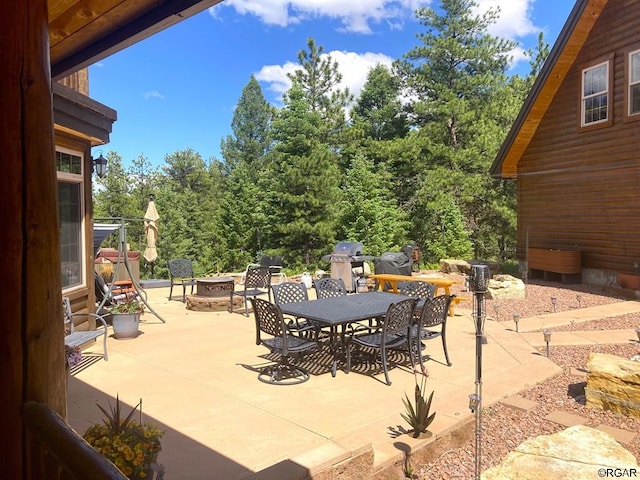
197,377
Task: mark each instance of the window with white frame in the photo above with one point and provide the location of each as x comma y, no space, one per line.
634,82
71,213
595,94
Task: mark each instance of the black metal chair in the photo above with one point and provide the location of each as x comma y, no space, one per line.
257,282
181,273
292,292
435,312
269,321
419,290
329,287
275,264
392,334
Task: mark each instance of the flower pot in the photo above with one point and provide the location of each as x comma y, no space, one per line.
628,280
125,325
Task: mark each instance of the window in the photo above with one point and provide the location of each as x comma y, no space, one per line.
595,94
70,194
634,83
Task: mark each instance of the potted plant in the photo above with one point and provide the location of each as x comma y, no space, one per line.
131,445
125,317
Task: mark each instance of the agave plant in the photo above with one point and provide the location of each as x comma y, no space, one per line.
417,414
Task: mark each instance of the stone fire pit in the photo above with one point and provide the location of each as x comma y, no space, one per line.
212,294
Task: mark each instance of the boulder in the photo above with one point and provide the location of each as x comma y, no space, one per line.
506,287
576,452
613,383
449,265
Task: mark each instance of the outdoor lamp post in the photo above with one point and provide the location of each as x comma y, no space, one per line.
516,320
478,284
100,166
547,339
554,301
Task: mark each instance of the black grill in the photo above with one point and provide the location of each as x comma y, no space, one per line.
397,263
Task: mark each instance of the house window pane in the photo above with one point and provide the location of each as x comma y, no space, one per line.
70,233
595,94
68,163
634,83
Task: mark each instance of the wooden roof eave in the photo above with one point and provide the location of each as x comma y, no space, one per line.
562,56
104,35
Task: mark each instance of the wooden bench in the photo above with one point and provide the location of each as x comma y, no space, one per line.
78,338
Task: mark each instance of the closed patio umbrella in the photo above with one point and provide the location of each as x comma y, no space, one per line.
151,218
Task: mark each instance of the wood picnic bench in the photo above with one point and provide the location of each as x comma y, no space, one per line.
77,338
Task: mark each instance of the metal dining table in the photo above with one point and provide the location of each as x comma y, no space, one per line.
337,313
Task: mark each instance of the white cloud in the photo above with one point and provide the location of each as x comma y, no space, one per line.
358,16
354,68
355,16
153,94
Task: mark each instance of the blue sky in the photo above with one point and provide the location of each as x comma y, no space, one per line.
178,89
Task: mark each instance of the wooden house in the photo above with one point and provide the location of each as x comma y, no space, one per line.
41,43
574,149
79,124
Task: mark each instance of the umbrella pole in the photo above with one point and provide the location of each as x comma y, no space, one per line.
123,249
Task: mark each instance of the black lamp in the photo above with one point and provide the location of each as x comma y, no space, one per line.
100,166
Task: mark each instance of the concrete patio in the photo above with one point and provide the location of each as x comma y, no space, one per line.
197,378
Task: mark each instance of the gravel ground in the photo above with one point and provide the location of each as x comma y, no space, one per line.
503,427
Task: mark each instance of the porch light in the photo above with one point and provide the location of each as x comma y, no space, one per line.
100,166
516,320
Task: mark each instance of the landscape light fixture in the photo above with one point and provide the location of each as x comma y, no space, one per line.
547,339
474,401
638,333
579,298
100,166
496,308
516,320
554,302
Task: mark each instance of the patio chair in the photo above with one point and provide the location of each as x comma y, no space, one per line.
269,321
434,314
292,292
256,283
329,287
274,263
392,334
77,338
181,273
419,290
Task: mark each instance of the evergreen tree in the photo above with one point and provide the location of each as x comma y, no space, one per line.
458,77
245,154
368,211
378,108
304,183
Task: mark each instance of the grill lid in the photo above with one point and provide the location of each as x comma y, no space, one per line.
348,248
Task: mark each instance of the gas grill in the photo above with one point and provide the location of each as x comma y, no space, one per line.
347,263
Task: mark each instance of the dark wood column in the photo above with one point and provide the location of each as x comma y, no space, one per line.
31,332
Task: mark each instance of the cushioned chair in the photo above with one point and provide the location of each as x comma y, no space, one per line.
329,287
392,334
432,323
181,273
256,283
273,333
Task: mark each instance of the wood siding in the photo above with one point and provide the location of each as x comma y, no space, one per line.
578,189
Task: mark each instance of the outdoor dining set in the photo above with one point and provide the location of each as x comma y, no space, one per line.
373,324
